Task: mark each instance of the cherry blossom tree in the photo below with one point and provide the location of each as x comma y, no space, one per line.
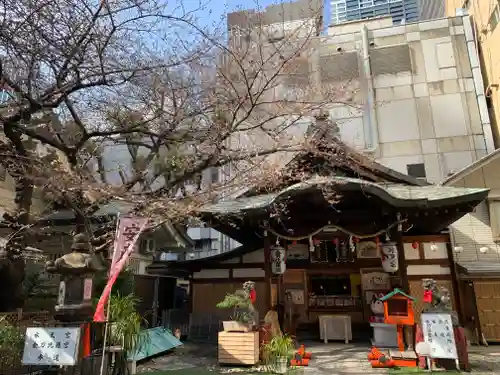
178,98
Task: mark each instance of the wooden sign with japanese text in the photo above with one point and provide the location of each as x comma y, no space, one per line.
376,281
438,333
51,346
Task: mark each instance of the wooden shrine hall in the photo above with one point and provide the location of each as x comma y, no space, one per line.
332,243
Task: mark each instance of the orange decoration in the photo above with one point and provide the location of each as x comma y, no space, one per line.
86,340
414,245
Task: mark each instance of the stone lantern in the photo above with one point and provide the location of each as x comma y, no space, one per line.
74,303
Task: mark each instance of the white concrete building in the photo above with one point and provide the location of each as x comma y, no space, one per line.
421,108
410,95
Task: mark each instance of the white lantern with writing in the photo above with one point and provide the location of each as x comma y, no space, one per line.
278,261
389,256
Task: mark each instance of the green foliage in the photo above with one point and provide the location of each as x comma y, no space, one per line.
234,301
31,282
279,347
124,284
11,345
240,304
126,323
34,284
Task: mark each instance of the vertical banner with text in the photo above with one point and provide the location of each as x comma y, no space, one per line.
127,234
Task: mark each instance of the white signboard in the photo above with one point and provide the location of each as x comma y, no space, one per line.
51,346
438,333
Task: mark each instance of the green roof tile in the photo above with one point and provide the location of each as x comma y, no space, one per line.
395,292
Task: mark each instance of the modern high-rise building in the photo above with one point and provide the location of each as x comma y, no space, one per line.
400,10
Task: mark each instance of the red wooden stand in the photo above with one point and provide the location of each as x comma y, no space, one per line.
398,311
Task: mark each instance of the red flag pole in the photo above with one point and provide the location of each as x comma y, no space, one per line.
115,245
106,294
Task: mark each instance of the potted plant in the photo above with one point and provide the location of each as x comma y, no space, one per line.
277,352
242,317
125,332
125,327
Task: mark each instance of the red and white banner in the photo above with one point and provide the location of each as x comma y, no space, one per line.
127,234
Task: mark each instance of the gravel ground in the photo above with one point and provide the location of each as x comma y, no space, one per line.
331,359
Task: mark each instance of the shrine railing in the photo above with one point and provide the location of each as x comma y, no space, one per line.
335,302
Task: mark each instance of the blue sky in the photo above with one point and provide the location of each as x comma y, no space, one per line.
213,11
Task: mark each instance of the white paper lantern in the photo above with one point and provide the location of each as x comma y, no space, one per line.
389,256
458,249
278,261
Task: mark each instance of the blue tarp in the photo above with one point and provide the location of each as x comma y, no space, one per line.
156,341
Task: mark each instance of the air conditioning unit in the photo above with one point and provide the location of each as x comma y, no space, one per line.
147,246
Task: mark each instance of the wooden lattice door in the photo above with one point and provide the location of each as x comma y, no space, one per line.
488,306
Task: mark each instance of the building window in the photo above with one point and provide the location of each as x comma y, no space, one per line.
331,285
495,17
214,175
416,170
147,246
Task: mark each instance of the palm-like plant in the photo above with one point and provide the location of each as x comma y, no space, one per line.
125,323
277,352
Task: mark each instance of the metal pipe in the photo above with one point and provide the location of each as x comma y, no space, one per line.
371,115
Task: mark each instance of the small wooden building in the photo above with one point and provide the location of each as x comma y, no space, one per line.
332,225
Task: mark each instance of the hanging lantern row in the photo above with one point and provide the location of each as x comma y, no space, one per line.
482,249
416,245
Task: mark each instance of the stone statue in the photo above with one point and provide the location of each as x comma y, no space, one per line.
249,290
78,262
438,299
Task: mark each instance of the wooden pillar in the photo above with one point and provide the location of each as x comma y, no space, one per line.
397,237
455,283
190,294
156,303
267,268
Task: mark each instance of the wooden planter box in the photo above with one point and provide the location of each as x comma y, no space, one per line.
238,348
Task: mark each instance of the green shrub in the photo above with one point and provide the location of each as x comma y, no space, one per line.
11,345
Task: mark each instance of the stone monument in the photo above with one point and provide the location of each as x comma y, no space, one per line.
438,299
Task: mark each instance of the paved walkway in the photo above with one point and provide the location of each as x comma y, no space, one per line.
331,359
485,360
340,359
